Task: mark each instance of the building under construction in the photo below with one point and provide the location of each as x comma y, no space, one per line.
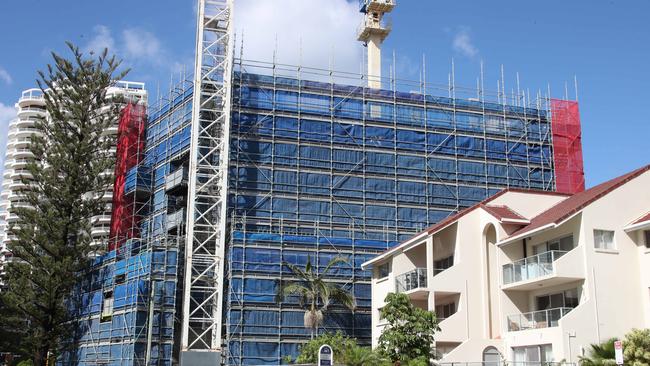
251,165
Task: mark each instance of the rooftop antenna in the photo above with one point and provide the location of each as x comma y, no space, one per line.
575,82
372,33
504,93
566,90
518,92
482,97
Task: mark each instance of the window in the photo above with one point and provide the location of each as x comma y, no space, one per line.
445,311
383,270
647,238
442,264
564,244
604,239
566,299
533,355
107,307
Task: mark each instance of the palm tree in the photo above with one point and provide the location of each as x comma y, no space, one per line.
364,356
314,292
600,354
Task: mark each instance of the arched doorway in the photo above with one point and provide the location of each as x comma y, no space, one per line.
492,281
491,357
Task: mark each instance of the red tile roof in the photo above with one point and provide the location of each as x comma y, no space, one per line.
564,209
642,219
453,218
505,214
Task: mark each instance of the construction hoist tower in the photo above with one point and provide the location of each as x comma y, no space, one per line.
201,322
372,32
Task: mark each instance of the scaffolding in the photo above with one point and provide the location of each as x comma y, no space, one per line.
321,165
126,308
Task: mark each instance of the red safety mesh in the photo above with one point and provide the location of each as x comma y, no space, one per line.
567,146
130,147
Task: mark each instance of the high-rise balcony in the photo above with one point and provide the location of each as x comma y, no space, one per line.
29,96
551,268
413,283
537,319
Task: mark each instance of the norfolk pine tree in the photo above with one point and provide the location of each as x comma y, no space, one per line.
67,179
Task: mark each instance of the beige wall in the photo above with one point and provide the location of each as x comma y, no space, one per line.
614,286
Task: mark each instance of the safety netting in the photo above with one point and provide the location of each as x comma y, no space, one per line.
129,152
567,146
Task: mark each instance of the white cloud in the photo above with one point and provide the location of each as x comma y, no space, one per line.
462,43
7,113
324,29
102,38
141,44
4,76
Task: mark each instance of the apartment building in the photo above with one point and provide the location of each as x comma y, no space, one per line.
529,276
30,108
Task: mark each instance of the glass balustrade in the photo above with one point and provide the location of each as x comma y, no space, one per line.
408,281
531,267
537,319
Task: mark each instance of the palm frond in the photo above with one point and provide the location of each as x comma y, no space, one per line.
334,261
294,289
346,298
297,271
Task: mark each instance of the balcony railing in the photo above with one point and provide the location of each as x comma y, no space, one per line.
531,267
536,319
408,281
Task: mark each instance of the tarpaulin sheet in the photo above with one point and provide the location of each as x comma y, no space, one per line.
567,146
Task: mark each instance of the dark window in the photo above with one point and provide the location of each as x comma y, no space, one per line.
445,311
442,264
647,238
383,270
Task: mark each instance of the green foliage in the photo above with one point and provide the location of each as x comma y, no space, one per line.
600,354
636,347
340,345
314,292
364,356
420,361
346,351
409,334
67,182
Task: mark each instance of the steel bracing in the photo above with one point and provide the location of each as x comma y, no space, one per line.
206,224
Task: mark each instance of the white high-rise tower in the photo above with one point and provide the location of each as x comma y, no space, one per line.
372,32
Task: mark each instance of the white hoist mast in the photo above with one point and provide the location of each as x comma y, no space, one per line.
372,32
201,322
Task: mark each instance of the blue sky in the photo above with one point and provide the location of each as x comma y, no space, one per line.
604,43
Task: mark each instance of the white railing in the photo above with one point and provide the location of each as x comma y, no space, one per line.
536,319
31,94
408,281
531,267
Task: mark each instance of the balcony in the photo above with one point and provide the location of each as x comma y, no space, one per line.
413,283
550,268
536,319
30,96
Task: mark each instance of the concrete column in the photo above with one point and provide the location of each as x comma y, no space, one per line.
431,303
374,61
